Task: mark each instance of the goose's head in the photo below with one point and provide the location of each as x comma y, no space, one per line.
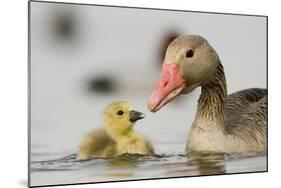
120,117
189,62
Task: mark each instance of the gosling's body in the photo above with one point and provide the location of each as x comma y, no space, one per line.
118,136
134,143
97,144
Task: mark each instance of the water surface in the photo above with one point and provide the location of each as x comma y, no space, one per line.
68,170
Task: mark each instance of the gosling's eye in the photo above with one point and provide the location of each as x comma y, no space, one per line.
189,54
120,113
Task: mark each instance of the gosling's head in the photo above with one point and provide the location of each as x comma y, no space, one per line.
119,118
190,61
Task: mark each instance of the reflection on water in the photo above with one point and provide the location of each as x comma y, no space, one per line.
128,167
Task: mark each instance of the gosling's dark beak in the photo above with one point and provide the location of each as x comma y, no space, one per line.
134,116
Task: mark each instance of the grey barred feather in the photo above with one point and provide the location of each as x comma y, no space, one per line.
246,116
241,116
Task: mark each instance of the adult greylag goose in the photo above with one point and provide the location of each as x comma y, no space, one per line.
223,123
118,137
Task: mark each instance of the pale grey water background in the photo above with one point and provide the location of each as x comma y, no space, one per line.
124,44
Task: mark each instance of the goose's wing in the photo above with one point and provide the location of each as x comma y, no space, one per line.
246,115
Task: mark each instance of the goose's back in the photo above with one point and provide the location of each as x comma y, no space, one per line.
246,116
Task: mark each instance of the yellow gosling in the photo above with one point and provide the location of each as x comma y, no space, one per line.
118,137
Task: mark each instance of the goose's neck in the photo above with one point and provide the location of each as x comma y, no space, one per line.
212,103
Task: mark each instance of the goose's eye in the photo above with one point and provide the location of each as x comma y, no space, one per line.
120,113
189,54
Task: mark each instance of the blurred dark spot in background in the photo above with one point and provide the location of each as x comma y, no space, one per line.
69,34
165,41
101,84
64,26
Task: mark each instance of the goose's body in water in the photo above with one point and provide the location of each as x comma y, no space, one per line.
223,123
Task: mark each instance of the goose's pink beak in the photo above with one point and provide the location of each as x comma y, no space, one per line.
169,87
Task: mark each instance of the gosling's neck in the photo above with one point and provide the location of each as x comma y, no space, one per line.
211,106
121,136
